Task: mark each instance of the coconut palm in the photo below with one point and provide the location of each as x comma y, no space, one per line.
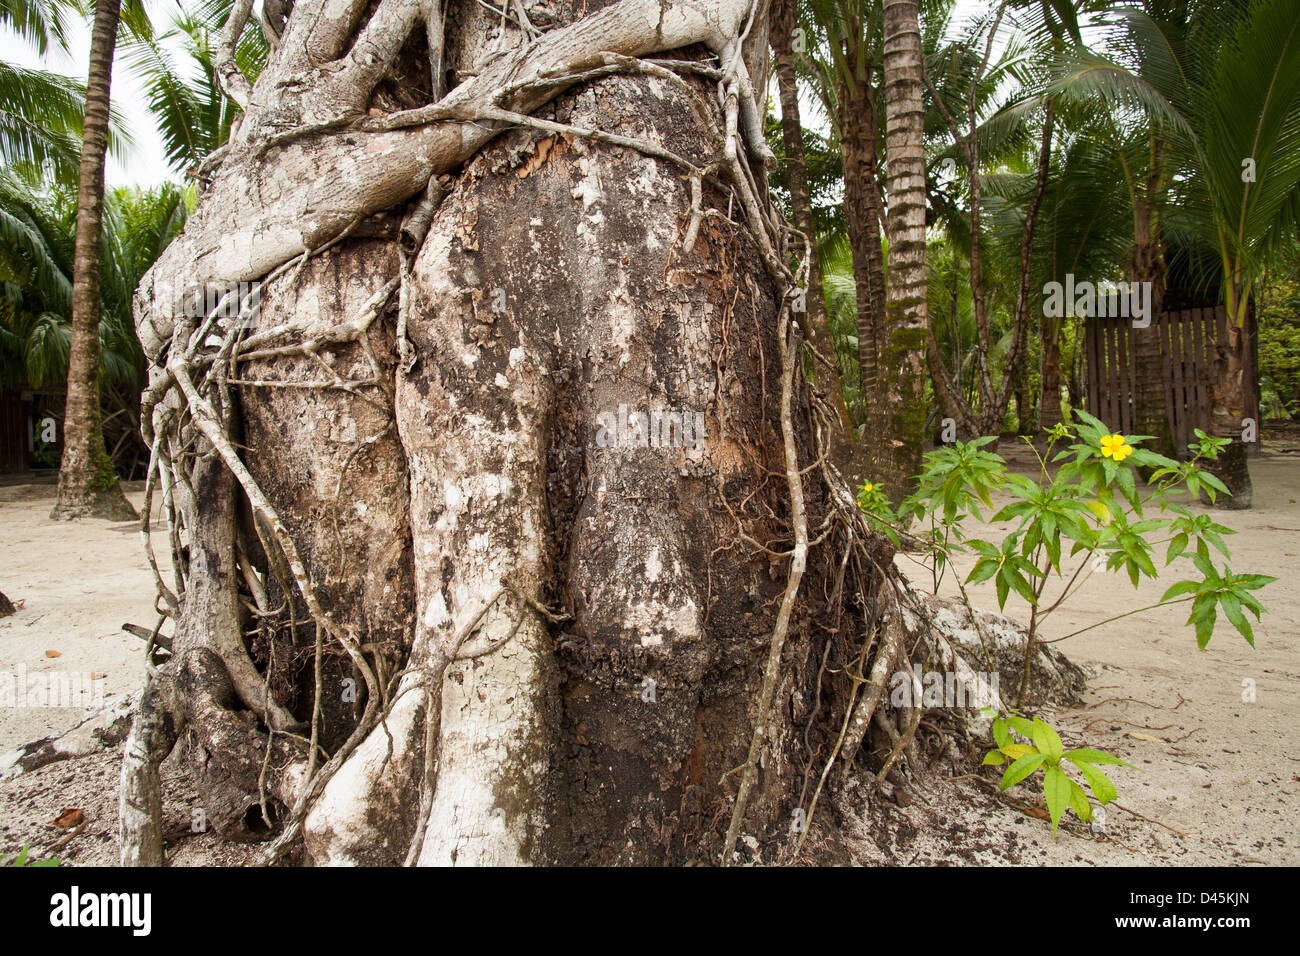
40,112
193,114
87,482
906,319
1211,91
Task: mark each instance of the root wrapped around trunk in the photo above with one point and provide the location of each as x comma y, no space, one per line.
502,529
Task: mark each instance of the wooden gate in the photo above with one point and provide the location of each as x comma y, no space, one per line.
1187,338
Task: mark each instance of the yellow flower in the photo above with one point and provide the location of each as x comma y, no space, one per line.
868,486
1098,507
1116,447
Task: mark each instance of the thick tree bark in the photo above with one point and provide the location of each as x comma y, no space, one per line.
87,482
507,531
529,590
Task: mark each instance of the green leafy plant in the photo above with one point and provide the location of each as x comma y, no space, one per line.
1092,504
1045,752
1089,501
22,860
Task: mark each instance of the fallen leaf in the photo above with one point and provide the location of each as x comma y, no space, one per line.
53,653
98,676
69,818
1038,813
1148,738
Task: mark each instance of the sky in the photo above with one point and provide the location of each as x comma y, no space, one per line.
143,163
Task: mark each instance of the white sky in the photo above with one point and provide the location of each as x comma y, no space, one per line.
144,163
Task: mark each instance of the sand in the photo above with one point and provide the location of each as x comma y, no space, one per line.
1218,777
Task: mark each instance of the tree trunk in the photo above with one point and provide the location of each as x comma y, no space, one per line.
1227,412
907,323
1150,363
87,482
1049,410
864,219
503,512
845,451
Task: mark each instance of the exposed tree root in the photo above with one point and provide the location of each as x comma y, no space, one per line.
245,576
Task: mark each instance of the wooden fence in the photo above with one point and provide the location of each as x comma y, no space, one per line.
1187,338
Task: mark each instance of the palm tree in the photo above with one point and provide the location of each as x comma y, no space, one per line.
844,452
40,112
193,114
1218,90
903,352
87,482
40,120
37,227
1077,236
1007,157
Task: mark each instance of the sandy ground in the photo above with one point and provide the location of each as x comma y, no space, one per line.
1218,778
79,582
1220,775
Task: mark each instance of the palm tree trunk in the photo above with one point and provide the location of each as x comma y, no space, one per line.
863,217
1025,424
815,324
87,483
1049,413
1228,408
1147,264
905,294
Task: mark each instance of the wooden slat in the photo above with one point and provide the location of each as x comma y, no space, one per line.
1168,320
1166,371
1112,363
1198,392
1182,370
1124,366
1103,371
1093,380
1104,368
